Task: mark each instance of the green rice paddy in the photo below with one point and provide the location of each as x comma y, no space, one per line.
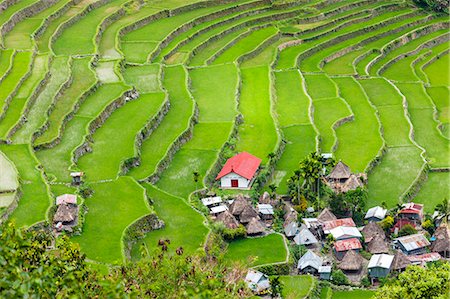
62,68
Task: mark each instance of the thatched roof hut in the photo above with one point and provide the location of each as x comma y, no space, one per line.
247,214
340,172
326,215
66,213
378,245
352,183
255,227
290,217
238,205
228,220
352,261
442,239
265,198
371,230
400,262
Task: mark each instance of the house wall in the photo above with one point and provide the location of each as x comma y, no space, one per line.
378,272
225,181
412,252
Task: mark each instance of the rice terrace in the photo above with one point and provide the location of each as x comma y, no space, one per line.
139,112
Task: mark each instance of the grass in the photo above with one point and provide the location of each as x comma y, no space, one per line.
397,170
246,45
389,105
83,79
70,42
257,135
257,251
144,78
359,140
355,294
426,132
19,101
117,203
175,122
9,179
296,287
435,72
320,86
35,199
402,70
108,151
440,96
20,67
434,190
20,36
177,215
344,64
11,10
57,160
5,61
60,71
326,113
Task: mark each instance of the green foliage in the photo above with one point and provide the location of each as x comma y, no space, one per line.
365,282
406,230
297,251
350,204
227,233
275,269
276,286
428,226
338,277
417,282
387,223
436,5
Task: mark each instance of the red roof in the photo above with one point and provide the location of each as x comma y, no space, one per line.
349,244
411,208
242,164
327,225
427,257
401,223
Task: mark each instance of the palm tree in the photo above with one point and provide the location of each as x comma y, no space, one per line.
444,209
196,177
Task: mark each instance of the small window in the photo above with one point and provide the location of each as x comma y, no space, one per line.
234,183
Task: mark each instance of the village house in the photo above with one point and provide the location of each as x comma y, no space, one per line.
326,215
378,244
228,220
412,244
422,259
400,262
77,178
351,263
325,272
441,240
309,263
305,237
380,265
214,204
255,227
342,180
239,171
375,214
66,199
341,247
291,229
257,281
412,212
66,217
329,225
371,230
345,232
265,211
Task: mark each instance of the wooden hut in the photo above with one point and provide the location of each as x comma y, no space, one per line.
352,262
228,220
290,216
413,244
371,230
255,227
352,183
375,214
326,215
66,216
325,272
77,178
238,205
400,261
340,173
378,245
247,214
309,263
441,240
380,265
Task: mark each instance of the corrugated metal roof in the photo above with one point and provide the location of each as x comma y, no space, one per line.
309,259
219,209
265,209
345,232
243,164
325,269
305,237
66,199
327,225
413,242
381,261
427,257
377,212
348,244
207,201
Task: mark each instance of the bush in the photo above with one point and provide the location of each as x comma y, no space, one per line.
233,234
406,230
387,223
436,5
338,277
365,282
277,269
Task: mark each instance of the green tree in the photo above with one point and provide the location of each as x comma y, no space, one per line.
338,277
406,230
418,283
387,223
444,208
196,177
276,286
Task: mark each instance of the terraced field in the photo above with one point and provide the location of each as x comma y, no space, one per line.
367,80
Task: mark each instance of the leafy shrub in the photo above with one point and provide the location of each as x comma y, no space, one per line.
338,277
406,230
